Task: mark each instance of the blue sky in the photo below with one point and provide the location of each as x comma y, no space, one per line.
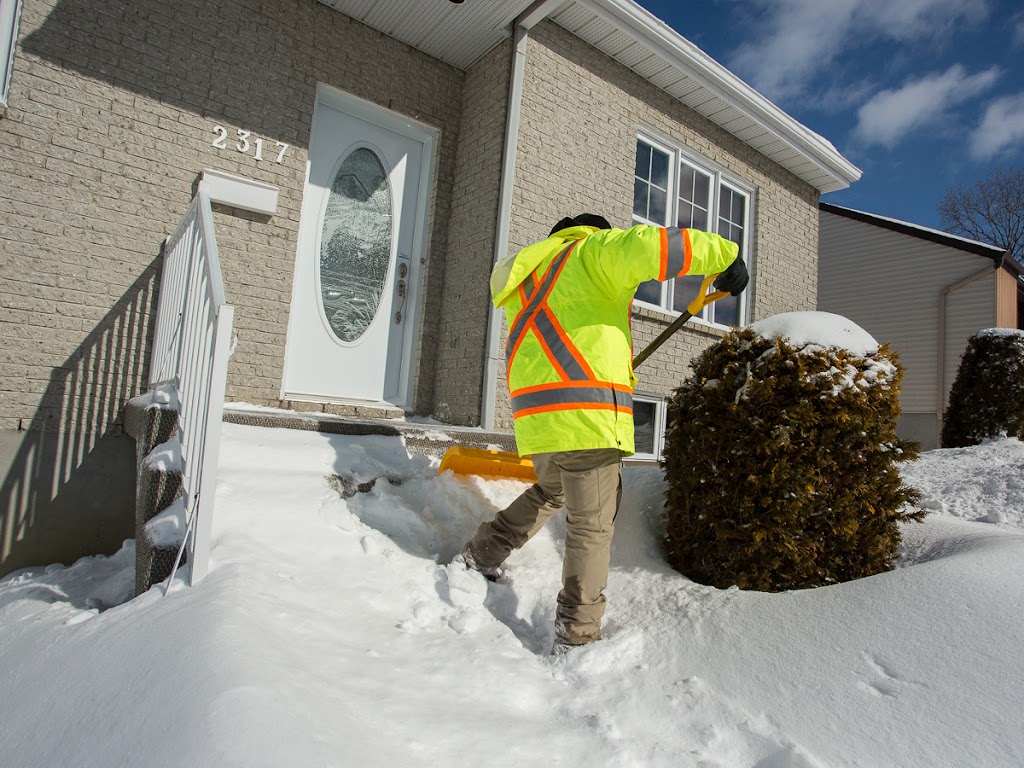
921,95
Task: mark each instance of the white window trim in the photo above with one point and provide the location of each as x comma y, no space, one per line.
10,16
660,415
719,177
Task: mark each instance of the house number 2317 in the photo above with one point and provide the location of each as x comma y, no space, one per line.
244,141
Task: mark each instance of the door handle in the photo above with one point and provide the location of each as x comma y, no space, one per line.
400,290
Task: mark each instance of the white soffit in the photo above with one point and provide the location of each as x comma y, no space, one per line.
460,34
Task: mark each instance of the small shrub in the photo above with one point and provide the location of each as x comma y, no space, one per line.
987,397
782,465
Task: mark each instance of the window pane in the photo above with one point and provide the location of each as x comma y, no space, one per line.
726,311
684,290
659,169
692,216
658,206
684,214
644,422
699,219
694,190
640,198
702,189
649,292
356,242
685,182
739,205
643,160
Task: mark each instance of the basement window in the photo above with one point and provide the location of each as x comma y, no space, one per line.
10,11
648,426
672,188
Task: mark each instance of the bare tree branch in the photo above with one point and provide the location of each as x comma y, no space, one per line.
992,211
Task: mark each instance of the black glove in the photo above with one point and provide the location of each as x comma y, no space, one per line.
734,279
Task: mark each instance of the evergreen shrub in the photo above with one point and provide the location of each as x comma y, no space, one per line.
781,464
986,400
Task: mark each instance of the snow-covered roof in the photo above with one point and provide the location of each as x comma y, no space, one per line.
993,252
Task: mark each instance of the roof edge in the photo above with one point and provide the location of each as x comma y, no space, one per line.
976,247
715,77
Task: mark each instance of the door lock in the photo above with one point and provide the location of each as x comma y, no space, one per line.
400,290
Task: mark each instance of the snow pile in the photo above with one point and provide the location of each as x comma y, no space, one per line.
1000,332
815,330
329,632
992,491
168,527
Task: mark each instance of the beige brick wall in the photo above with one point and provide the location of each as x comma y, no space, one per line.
577,151
461,329
111,117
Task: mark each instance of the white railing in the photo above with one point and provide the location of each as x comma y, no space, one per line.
191,346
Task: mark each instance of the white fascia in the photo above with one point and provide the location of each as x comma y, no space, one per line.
684,55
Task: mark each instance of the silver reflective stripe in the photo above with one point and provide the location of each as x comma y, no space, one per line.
676,259
530,286
547,331
573,396
536,299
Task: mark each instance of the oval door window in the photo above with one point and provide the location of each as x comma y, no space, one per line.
355,244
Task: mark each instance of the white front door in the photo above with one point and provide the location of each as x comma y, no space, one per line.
350,334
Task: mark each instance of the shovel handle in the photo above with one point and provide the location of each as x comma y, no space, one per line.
705,297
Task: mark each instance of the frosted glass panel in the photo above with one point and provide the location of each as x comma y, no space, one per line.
355,245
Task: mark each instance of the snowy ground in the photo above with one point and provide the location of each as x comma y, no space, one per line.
327,634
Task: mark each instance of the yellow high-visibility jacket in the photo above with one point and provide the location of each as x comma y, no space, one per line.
569,352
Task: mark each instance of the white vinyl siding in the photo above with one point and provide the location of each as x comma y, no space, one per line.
891,284
968,310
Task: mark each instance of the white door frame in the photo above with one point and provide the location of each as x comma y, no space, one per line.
428,137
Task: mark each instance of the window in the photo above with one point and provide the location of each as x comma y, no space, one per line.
648,426
674,190
9,13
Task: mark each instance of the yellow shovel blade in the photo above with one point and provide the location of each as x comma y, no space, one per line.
484,462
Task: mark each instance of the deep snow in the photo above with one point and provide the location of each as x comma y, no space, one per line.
328,634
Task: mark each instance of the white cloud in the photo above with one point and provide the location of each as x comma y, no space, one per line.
1018,29
1000,128
891,114
802,38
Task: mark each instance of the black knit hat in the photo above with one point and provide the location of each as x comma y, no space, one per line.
581,220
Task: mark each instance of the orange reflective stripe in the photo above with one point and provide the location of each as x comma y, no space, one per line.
687,252
564,355
551,356
676,253
561,396
536,316
572,407
522,321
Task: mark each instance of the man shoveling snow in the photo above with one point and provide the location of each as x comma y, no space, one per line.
570,375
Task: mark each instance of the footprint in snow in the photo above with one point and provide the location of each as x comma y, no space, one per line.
881,679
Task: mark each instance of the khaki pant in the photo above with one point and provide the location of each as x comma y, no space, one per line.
589,485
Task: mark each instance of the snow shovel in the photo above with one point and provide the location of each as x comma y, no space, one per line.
482,462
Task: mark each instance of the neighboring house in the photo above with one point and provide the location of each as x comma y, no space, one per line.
396,148
925,292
